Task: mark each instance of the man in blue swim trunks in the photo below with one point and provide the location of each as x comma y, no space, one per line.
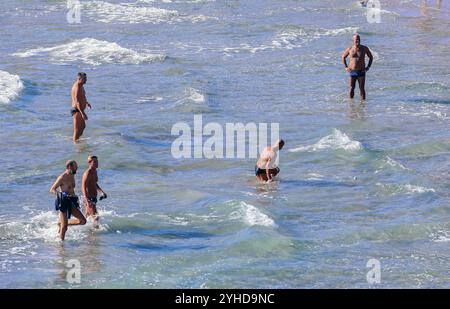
66,200
357,67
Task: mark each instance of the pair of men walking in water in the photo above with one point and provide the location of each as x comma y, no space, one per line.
67,202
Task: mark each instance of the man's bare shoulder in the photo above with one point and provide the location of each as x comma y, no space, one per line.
62,177
89,173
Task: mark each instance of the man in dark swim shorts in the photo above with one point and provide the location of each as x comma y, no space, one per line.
357,67
66,201
266,168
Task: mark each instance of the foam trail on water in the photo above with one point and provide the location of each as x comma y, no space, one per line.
44,226
91,51
251,216
10,87
407,189
134,13
292,37
336,140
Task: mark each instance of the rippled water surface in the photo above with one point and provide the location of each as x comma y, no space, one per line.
358,181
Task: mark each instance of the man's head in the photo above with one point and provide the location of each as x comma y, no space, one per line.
72,166
93,161
356,39
280,144
82,78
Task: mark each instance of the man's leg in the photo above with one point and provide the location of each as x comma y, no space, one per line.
91,210
262,177
362,84
80,219
62,224
352,86
78,126
274,172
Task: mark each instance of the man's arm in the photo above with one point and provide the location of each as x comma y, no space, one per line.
84,183
369,54
100,189
56,185
344,57
268,168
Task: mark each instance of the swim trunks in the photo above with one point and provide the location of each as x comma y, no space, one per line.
259,171
74,110
64,203
357,73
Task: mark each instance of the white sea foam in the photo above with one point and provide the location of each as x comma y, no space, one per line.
336,140
392,189
292,37
44,226
134,13
93,52
440,236
297,36
194,95
10,87
389,162
251,216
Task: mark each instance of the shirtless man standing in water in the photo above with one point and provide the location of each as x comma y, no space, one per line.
266,167
66,200
79,103
90,189
357,67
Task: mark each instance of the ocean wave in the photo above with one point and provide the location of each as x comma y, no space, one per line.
297,36
10,87
135,13
192,100
93,52
251,216
390,163
336,140
394,189
43,226
292,37
440,236
431,110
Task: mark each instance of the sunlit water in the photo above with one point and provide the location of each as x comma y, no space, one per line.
357,181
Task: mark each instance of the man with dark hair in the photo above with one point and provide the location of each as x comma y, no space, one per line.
90,189
357,67
66,200
79,103
266,168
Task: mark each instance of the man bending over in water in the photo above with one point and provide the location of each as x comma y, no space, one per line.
266,168
357,67
66,200
90,188
79,103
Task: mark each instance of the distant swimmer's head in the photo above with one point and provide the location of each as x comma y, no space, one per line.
93,161
72,166
356,39
82,78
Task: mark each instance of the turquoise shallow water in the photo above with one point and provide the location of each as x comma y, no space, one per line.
357,181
